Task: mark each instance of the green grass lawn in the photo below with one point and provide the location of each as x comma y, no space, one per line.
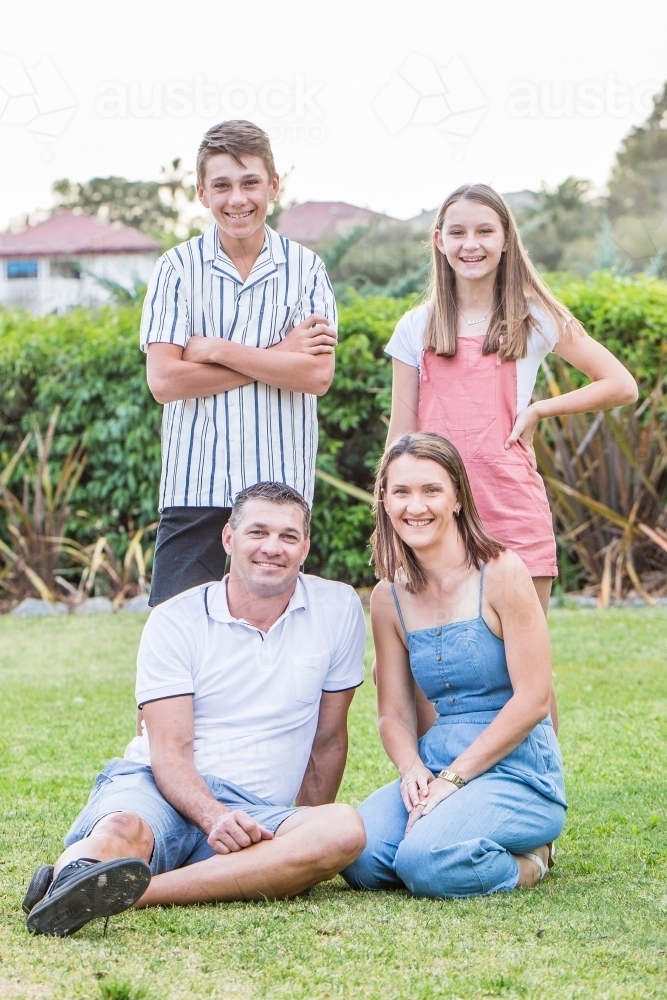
595,928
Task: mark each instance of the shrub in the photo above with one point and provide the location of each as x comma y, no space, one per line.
90,365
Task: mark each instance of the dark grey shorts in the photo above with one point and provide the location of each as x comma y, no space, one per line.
125,786
188,550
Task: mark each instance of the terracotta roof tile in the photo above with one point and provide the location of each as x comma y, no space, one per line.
315,220
66,233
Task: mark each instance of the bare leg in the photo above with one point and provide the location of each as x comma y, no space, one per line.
118,835
311,846
543,586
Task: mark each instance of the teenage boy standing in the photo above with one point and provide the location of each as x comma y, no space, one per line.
240,328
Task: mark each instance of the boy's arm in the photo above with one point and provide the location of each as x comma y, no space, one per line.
170,376
302,362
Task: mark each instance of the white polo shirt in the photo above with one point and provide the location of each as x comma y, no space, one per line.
256,694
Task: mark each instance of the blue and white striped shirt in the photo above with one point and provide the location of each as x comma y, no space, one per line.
214,446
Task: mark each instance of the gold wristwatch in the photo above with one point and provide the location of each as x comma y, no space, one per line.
452,776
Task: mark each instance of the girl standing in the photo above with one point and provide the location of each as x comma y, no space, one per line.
465,364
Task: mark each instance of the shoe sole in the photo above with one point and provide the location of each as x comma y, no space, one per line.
113,886
39,884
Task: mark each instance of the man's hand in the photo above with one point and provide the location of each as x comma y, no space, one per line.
234,830
313,336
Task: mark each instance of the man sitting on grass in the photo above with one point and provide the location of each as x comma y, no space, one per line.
245,687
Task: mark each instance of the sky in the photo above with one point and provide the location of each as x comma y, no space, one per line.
386,105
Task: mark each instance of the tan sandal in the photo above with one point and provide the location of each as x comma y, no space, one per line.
551,860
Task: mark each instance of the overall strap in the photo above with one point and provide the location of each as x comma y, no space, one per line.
398,608
481,589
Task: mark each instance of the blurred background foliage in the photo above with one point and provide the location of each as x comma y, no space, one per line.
89,365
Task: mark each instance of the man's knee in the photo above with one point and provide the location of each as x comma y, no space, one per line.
342,834
128,828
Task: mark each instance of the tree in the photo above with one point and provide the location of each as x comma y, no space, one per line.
638,184
154,207
560,217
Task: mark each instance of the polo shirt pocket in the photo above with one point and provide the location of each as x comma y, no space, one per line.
309,673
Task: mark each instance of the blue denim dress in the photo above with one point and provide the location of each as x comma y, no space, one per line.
467,845
462,668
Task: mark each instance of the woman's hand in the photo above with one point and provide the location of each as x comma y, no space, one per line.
414,785
437,790
524,428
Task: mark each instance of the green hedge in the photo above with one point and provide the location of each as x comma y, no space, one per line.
90,365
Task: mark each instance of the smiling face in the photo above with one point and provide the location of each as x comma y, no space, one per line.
268,545
420,500
472,239
238,196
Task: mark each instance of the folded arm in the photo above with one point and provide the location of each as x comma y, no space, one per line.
326,764
170,726
302,362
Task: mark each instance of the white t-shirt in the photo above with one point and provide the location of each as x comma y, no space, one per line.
407,345
256,695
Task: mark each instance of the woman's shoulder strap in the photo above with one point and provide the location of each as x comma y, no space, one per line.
481,588
398,608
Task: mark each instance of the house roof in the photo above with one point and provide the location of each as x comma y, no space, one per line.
315,220
66,233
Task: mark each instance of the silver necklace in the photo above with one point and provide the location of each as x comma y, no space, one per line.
472,322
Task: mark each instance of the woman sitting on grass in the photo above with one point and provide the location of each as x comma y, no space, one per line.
480,797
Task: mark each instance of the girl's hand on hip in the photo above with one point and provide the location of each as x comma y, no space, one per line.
524,429
414,785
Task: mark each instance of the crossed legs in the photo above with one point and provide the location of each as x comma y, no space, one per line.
310,846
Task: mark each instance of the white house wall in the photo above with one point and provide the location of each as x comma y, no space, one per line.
49,293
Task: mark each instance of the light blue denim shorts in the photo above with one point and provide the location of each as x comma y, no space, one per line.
125,786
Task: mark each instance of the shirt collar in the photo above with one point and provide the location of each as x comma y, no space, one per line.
270,256
218,609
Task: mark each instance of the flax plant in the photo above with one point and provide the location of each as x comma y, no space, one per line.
606,479
39,555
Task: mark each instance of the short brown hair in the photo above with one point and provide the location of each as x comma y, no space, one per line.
279,493
390,553
238,138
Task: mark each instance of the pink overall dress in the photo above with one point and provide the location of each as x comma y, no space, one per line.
470,399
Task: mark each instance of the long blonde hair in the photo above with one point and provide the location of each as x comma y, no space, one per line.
389,552
518,287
